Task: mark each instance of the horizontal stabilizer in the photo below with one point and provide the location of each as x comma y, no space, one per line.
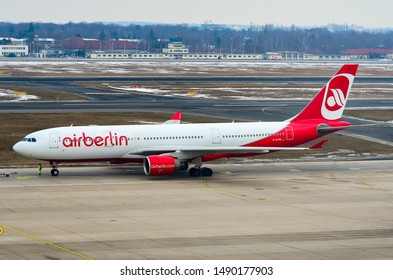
325,129
319,145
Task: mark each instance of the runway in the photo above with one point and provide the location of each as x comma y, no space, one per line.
239,110
277,210
182,79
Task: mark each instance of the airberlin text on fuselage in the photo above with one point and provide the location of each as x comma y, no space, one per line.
98,141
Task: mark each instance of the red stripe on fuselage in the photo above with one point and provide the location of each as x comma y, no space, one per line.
295,134
111,160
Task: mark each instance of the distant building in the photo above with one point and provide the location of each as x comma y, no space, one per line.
175,47
292,55
78,43
47,42
332,27
14,50
389,55
273,56
367,53
12,47
95,47
199,56
224,56
175,50
310,57
333,57
105,55
42,47
14,41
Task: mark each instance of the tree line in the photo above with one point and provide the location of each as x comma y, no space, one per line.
209,37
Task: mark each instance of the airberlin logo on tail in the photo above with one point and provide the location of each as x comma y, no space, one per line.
336,93
83,140
335,100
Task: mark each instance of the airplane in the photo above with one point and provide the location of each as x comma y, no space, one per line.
171,146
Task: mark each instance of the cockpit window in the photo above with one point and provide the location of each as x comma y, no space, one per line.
29,140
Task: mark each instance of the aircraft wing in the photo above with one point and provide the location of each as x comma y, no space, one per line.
189,152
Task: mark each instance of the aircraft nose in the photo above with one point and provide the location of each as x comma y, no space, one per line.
18,148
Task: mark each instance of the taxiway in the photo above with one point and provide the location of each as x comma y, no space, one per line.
277,210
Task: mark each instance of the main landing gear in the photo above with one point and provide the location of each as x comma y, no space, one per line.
198,171
54,171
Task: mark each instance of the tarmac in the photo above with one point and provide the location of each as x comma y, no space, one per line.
274,210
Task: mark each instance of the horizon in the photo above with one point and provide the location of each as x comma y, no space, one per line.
351,26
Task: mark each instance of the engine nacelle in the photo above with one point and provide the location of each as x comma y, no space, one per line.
159,165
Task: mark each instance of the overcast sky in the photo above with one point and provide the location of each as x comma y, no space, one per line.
376,13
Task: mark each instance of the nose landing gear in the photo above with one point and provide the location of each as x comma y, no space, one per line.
54,171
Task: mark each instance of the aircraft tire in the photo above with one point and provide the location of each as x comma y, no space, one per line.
184,166
54,172
207,172
194,172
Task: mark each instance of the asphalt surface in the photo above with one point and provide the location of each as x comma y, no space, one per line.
285,210
295,210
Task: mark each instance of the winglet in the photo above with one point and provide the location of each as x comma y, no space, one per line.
175,119
319,145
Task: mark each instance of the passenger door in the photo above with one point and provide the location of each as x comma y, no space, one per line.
216,136
53,141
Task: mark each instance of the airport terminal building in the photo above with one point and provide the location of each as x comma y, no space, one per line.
175,50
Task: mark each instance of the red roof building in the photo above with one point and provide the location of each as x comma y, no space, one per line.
367,53
78,43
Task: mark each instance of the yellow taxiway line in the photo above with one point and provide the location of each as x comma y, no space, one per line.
2,227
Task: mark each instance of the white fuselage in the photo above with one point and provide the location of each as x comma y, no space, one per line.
79,143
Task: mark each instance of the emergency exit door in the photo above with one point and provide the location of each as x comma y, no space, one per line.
289,132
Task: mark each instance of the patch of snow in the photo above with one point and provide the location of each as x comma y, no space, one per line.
11,96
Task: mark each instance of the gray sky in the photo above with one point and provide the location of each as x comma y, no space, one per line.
376,13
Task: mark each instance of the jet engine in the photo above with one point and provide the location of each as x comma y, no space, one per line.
160,165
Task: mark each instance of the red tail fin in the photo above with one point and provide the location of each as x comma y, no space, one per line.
330,102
